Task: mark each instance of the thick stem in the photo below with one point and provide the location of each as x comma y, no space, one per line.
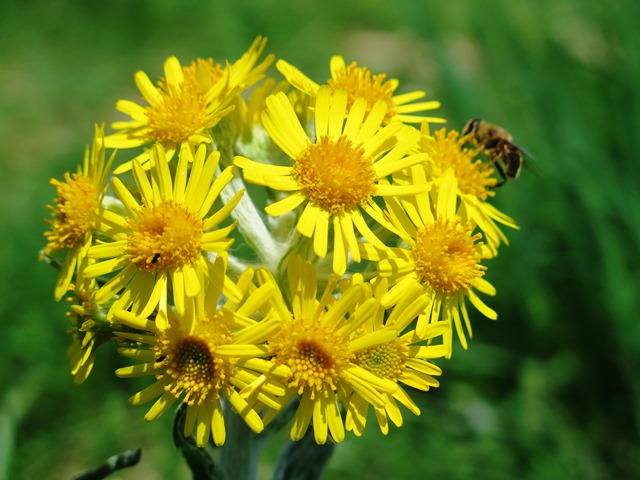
241,451
304,460
250,223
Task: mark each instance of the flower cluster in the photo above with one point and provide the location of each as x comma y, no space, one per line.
329,290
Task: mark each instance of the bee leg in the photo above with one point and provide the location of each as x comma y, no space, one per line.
502,173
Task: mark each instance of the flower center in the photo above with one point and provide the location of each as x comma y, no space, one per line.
190,362
335,175
314,353
76,199
473,175
182,112
167,235
386,361
358,82
445,256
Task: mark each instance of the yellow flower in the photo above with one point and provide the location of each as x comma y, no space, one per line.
78,197
337,176
358,82
475,183
167,237
187,365
403,360
185,104
443,257
314,350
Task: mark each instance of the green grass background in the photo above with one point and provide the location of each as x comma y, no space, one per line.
551,390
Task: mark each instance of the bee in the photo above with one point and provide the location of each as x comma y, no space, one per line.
496,143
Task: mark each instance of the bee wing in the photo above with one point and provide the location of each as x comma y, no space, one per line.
529,161
526,152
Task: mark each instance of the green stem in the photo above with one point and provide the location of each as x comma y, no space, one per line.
303,460
241,451
250,223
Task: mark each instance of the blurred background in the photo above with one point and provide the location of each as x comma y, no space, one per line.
550,390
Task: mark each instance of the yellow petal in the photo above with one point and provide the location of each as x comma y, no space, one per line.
334,419
173,71
117,283
149,92
283,126
447,195
337,112
410,97
346,224
308,219
296,78
135,370
339,248
480,305
162,171
162,405
302,417
285,205
149,393
321,234
240,405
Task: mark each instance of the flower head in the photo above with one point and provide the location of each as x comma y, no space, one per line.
186,102
314,352
78,198
165,238
337,176
188,362
359,82
443,257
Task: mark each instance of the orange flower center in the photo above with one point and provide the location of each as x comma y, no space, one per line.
190,361
314,353
166,235
446,257
182,111
76,200
335,175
